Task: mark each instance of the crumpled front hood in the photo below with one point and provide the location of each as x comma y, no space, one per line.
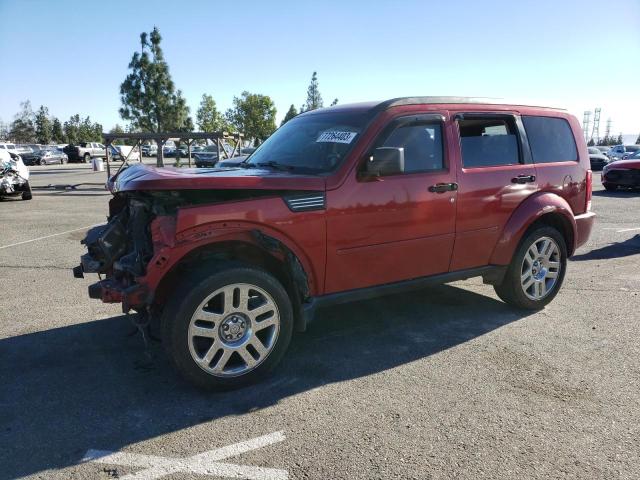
140,177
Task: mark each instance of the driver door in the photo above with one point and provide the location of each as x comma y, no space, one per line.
393,228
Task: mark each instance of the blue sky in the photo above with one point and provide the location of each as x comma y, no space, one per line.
72,55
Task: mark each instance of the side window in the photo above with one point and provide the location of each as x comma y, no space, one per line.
551,139
422,143
488,142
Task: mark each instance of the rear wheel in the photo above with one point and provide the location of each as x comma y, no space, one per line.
609,188
86,158
42,162
227,328
536,271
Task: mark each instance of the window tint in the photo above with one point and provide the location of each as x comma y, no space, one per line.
488,142
422,145
550,139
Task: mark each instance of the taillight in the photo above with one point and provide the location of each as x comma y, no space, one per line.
589,189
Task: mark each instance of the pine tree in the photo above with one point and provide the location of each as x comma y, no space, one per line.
638,140
149,97
591,143
292,112
43,126
335,102
57,134
314,99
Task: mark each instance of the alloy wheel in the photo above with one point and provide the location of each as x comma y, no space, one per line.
540,268
234,330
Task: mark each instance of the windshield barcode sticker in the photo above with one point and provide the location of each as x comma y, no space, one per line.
336,137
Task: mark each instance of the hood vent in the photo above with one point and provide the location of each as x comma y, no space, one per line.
305,202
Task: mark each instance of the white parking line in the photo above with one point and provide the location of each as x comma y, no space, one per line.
207,463
628,230
49,236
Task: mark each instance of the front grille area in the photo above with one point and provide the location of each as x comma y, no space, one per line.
623,177
305,202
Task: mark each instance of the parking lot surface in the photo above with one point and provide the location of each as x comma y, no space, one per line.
445,383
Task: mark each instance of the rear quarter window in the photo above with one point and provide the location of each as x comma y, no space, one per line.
550,139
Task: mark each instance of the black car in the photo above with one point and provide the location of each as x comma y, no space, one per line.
45,156
598,159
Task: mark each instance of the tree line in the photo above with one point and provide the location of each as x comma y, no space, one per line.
152,103
41,127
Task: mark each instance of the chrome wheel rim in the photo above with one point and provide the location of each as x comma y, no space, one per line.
540,268
234,330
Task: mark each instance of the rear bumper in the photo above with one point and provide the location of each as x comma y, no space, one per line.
584,225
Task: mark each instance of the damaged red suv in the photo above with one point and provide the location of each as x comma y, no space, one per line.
342,204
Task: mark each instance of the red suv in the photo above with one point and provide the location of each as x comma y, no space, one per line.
343,203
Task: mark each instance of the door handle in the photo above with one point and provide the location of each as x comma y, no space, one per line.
524,179
443,187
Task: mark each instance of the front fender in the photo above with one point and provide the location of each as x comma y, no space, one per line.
529,211
169,250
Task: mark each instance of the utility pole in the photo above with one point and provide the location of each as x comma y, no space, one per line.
586,121
607,133
595,132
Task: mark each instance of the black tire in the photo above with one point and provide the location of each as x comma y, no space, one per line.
511,290
610,188
42,163
86,158
191,292
27,194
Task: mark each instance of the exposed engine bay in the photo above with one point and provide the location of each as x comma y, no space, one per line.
121,249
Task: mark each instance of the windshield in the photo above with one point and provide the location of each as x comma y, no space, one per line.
594,150
315,143
633,148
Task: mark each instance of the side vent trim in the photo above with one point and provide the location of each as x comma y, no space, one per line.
305,202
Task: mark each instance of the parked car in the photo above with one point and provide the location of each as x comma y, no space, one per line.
9,147
622,173
232,162
45,156
85,151
149,150
342,204
604,149
14,176
618,152
121,152
597,158
207,157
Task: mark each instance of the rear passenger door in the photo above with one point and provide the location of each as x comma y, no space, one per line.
495,174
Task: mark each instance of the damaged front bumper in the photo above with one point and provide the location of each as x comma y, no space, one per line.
119,252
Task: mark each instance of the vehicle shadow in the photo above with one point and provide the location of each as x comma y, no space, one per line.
629,247
93,385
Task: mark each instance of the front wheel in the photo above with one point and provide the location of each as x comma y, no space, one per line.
86,158
27,195
609,188
227,328
536,271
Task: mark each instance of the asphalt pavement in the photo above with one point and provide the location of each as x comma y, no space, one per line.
448,382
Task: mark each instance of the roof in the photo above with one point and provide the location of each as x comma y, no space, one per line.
428,100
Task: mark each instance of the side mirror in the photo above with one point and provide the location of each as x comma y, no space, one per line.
386,161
